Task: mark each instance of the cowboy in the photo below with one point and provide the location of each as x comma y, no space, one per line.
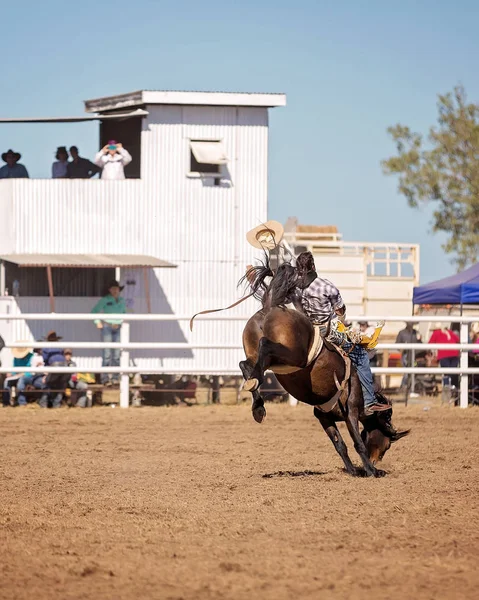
269,237
13,169
321,301
111,303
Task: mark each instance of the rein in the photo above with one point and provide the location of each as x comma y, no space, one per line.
206,312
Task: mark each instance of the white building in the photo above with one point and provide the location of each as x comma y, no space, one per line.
197,183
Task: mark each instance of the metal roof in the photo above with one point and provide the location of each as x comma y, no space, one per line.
118,116
145,97
85,260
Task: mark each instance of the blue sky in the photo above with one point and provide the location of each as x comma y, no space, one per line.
349,70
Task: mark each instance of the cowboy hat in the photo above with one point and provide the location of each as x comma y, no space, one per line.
115,283
22,349
52,336
17,155
266,236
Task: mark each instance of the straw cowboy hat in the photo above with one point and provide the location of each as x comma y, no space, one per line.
52,336
22,349
266,236
16,155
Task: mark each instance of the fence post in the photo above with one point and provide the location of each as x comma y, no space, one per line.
124,362
464,398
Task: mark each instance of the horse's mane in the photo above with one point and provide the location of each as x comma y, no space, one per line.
255,277
282,287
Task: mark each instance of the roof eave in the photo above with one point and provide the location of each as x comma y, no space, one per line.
145,97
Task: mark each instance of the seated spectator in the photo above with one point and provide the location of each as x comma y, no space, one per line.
13,169
80,168
22,357
112,159
34,380
77,381
59,168
54,383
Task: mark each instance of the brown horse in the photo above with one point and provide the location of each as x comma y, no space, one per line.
277,335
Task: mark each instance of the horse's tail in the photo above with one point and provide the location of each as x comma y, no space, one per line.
282,288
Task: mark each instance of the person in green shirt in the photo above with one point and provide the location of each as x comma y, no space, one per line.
112,303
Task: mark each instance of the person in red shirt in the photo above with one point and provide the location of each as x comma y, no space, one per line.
446,358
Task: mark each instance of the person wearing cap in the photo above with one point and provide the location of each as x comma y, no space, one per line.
75,383
59,167
110,303
80,168
13,169
53,357
112,159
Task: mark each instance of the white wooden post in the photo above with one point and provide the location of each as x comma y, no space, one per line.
124,362
464,399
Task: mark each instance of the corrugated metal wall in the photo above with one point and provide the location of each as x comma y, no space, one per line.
189,221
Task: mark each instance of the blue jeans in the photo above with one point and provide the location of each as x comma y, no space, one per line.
111,357
450,361
35,380
359,358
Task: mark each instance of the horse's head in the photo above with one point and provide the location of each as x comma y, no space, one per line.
378,435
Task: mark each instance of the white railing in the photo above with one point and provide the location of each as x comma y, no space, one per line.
125,345
381,259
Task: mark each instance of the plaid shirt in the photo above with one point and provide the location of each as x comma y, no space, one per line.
320,300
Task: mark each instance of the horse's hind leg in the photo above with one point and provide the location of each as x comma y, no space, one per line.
269,353
257,407
332,431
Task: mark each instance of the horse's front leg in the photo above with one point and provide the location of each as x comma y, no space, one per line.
332,432
257,406
351,418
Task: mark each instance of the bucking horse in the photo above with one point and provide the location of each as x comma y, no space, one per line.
284,340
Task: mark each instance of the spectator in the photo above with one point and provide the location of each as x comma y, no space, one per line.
13,169
408,335
34,380
59,168
76,382
54,382
22,357
446,358
111,303
80,168
112,159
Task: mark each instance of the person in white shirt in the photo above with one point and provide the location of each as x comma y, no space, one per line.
112,159
59,168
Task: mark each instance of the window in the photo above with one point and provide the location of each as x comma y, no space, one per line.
207,157
67,281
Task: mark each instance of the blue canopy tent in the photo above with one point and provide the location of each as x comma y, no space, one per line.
462,288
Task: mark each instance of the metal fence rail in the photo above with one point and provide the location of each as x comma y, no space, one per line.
125,345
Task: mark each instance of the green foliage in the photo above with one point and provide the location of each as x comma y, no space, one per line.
446,173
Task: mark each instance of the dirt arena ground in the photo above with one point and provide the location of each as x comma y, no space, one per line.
191,504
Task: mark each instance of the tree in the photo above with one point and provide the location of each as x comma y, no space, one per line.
446,172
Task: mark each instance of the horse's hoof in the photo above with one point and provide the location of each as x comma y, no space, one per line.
380,473
251,385
259,414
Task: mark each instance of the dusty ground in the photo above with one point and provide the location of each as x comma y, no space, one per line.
172,503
